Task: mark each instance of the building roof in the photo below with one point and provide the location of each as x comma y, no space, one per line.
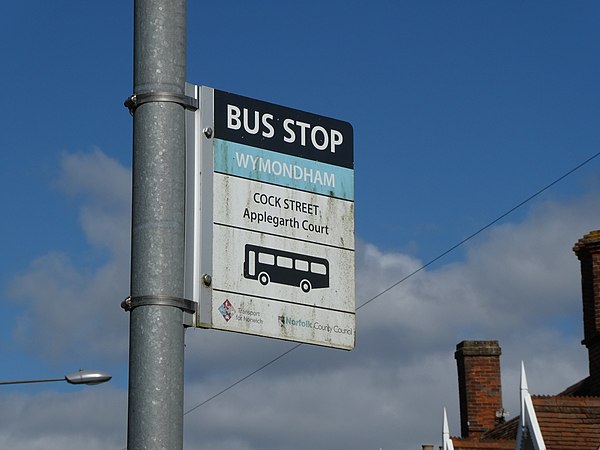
481,444
507,430
501,437
568,423
582,388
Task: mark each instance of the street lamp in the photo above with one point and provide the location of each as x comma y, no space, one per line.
79,377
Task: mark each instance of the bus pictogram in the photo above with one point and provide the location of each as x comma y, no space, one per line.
269,265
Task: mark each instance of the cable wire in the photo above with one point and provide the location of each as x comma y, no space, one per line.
410,275
264,366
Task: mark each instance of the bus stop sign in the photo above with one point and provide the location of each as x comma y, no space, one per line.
270,220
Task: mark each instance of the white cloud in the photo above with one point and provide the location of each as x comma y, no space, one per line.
518,283
71,310
91,418
105,186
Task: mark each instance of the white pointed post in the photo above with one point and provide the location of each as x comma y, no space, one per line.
524,392
446,441
529,427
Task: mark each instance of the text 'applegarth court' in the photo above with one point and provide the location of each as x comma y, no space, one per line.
285,222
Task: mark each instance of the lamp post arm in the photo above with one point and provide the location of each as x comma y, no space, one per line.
32,381
80,377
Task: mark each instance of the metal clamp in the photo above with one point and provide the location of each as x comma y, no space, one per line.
136,100
130,303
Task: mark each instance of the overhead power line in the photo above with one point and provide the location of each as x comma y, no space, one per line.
264,366
402,280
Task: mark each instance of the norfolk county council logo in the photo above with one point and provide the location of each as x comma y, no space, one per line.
227,310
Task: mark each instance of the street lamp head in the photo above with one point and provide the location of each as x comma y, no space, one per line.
88,377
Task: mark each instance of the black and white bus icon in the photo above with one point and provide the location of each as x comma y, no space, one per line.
268,265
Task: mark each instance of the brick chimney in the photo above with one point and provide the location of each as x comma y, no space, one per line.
587,250
479,386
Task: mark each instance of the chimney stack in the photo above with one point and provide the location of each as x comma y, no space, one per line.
479,386
587,250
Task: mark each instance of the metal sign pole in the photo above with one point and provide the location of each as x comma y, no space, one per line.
156,305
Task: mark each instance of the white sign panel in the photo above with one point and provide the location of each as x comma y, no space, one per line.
272,212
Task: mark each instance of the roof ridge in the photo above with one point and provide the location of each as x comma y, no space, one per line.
566,397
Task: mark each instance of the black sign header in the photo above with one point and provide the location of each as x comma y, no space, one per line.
284,130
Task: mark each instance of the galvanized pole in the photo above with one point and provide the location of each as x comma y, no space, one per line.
155,410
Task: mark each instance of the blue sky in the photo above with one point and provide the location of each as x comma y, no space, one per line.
460,110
